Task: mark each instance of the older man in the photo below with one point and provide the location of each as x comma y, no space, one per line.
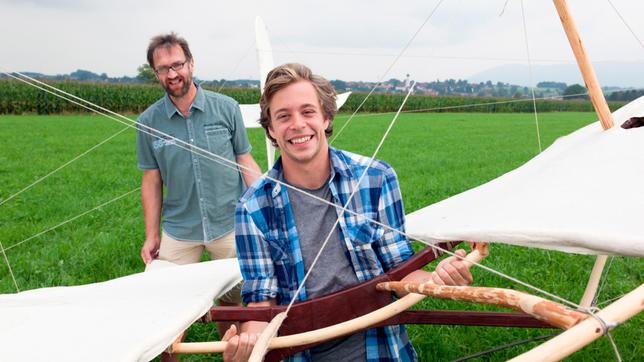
200,191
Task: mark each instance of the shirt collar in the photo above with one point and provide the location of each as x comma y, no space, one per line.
198,103
339,163
339,166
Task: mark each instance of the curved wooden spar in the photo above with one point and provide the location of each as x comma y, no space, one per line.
587,331
331,332
317,335
550,312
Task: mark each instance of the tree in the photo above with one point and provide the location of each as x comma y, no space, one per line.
146,74
575,91
550,84
628,95
84,75
395,82
339,84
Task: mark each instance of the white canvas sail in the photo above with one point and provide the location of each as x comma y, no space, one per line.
583,194
133,318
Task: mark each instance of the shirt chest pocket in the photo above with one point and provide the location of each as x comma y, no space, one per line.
219,140
284,267
364,237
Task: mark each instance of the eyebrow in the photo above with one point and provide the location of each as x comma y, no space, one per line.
306,105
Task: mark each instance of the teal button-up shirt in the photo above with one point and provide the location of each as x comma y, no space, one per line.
200,192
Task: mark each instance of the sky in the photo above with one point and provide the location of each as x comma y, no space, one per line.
348,40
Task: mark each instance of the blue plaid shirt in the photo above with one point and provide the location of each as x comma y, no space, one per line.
269,252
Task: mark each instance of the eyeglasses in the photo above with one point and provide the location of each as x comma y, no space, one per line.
164,69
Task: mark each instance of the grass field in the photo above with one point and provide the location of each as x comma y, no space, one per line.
435,156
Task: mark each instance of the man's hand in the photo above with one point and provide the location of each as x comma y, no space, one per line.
150,250
450,271
239,347
453,271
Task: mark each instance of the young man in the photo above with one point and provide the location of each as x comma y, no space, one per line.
279,231
200,194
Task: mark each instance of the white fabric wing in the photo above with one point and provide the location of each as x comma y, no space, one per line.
250,114
584,194
133,318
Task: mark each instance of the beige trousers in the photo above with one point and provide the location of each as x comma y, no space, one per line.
188,252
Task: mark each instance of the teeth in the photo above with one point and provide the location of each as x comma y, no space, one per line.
300,140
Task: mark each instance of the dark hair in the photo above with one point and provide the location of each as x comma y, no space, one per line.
166,41
283,76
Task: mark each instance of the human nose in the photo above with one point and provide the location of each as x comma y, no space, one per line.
172,73
297,121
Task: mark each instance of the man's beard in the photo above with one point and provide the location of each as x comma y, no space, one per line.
187,81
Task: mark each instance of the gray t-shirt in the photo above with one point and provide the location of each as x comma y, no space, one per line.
333,270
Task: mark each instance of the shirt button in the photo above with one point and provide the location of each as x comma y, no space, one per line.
192,140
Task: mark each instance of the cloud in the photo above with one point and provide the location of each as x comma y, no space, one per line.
350,40
71,5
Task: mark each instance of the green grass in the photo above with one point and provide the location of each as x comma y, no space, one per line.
435,156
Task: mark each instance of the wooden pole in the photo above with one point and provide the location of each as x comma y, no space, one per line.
601,108
593,281
586,67
587,331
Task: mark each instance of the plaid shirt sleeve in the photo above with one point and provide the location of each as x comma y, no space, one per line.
260,283
393,248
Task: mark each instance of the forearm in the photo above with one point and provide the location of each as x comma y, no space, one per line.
152,199
393,248
249,168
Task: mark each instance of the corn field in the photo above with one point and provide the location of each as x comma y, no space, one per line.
20,98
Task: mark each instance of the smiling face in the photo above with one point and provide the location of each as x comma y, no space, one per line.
298,124
175,82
